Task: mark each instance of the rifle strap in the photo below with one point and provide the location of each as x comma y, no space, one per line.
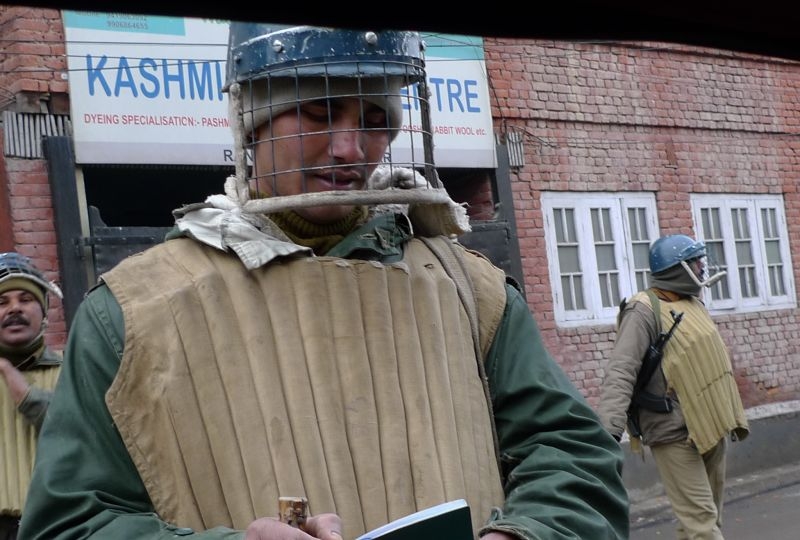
635,440
655,303
451,257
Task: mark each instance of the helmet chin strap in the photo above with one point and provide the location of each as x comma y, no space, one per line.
707,283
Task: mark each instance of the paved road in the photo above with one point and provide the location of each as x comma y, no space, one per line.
771,515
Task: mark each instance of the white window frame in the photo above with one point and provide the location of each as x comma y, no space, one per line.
752,206
618,204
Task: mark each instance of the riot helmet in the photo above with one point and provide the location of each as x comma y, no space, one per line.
275,70
18,272
679,249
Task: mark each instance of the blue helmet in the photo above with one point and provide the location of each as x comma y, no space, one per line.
279,66
260,50
671,250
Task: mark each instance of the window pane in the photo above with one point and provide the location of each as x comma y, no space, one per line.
772,248
770,222
640,246
773,251
712,230
776,284
558,224
564,221
569,296
744,254
605,255
601,224
637,224
571,286
642,280
641,256
569,262
607,275
568,259
716,254
741,228
745,262
605,258
747,281
720,290
710,220
579,303
609,289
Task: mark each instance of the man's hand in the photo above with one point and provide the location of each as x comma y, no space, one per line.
320,527
384,177
17,384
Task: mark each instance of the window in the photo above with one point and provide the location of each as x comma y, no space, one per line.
746,236
597,245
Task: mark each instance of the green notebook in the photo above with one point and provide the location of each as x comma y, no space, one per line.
450,521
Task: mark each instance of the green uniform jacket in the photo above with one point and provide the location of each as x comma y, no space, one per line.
562,470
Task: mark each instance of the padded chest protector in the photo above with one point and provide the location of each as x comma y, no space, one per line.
352,383
18,448
696,364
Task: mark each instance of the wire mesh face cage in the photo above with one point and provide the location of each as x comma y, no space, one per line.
313,119
319,110
14,265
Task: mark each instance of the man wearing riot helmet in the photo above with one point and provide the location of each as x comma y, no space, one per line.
28,372
317,332
692,402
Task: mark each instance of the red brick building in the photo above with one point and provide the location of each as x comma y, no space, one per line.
692,128
610,145
33,79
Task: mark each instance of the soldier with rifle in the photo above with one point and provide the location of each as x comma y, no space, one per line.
652,360
675,390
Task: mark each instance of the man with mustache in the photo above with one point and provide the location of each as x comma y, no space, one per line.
29,370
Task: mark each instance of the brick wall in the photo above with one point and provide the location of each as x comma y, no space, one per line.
668,119
662,118
33,79
34,53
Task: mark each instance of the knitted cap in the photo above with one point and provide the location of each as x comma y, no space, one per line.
23,284
265,100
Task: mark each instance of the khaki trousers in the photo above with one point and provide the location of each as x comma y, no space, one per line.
695,487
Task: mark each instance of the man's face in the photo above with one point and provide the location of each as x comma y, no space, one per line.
331,145
21,317
698,266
